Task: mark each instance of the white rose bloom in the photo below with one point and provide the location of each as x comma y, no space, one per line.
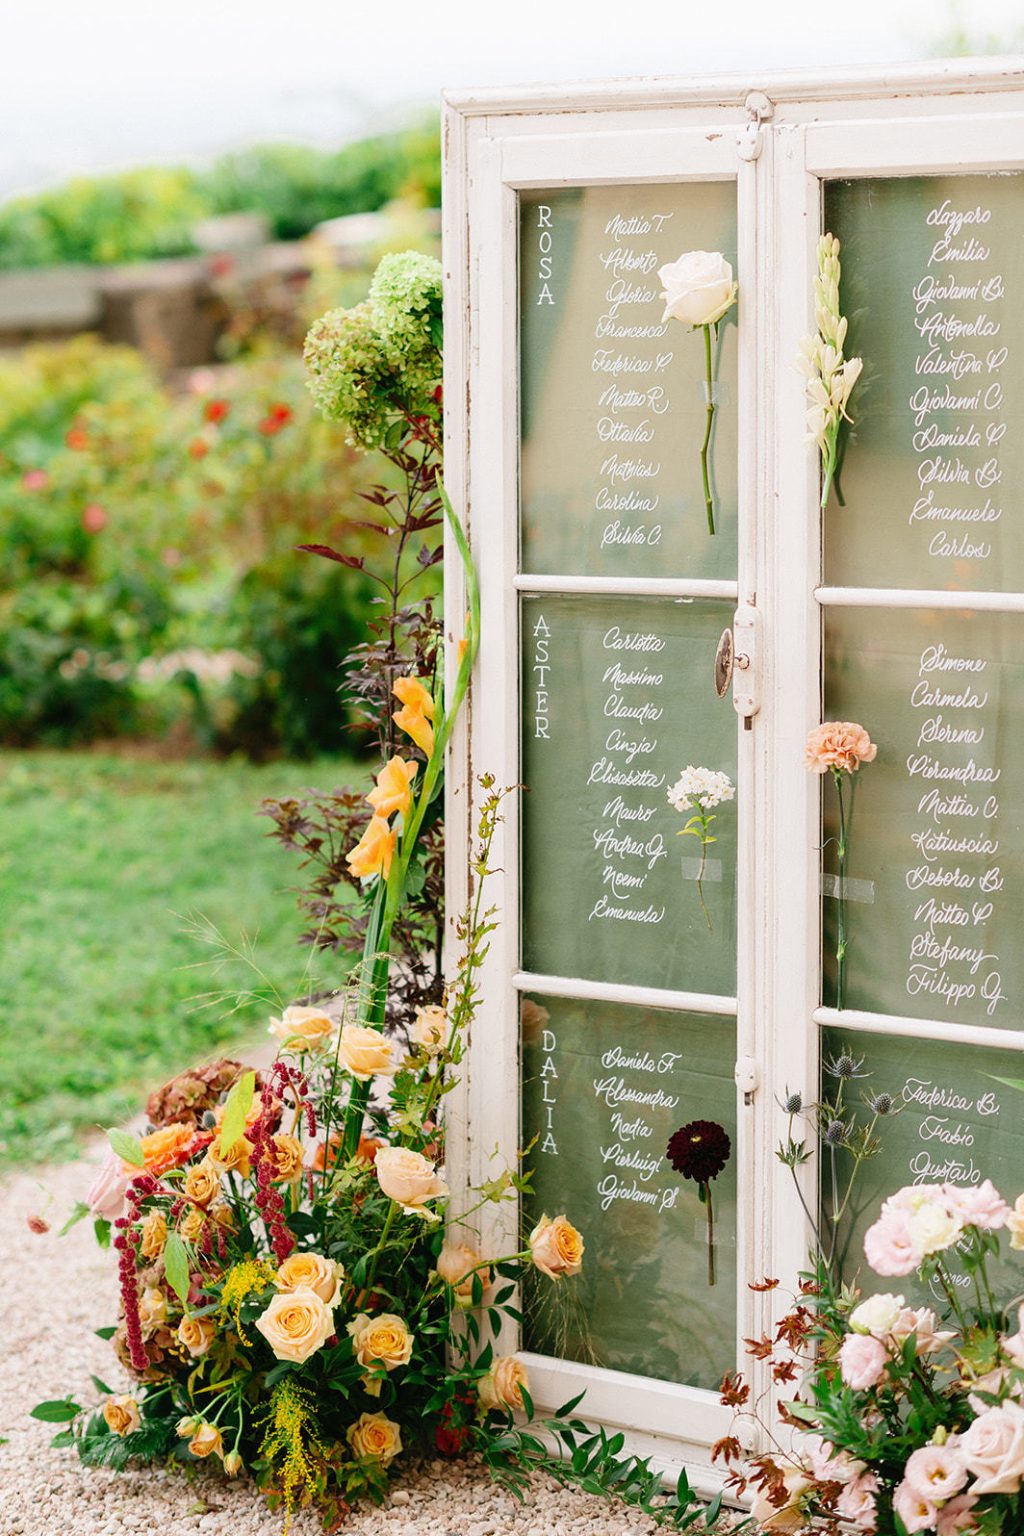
698,288
876,1314
933,1227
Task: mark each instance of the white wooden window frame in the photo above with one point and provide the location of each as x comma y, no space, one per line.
780,140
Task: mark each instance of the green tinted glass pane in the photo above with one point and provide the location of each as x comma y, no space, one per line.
613,403
956,1122
931,478
603,1090
618,699
937,839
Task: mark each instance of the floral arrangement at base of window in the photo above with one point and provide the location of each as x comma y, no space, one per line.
906,1418
303,1301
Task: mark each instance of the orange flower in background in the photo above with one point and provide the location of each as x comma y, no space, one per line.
167,1147
394,788
374,851
77,439
198,448
416,713
838,744
277,417
216,410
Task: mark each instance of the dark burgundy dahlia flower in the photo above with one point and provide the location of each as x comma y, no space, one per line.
699,1150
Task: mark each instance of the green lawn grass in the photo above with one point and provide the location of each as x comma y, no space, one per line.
102,860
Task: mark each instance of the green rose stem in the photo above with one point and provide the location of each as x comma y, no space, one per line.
708,423
373,984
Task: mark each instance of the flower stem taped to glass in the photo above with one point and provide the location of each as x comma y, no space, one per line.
702,788
830,375
838,748
698,289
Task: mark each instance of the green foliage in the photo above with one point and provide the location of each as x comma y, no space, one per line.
150,212
128,217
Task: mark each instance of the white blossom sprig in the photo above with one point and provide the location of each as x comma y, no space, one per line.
830,375
703,788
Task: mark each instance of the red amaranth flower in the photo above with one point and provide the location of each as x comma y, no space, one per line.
267,1196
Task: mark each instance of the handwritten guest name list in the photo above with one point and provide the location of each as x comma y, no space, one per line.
611,393
608,721
932,267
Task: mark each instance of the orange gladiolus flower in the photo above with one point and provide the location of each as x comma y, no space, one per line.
373,853
411,692
394,788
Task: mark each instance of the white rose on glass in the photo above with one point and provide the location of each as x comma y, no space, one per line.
699,290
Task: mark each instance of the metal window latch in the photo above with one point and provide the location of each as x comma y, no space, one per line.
760,110
737,662
748,1078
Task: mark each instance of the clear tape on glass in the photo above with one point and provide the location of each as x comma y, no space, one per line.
719,392
691,870
719,1239
853,890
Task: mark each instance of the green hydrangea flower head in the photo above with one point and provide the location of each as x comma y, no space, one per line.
351,373
406,294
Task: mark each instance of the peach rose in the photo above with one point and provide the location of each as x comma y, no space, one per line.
382,1340
296,1324
409,1179
365,1052
430,1029
502,1386
207,1441
311,1272
122,1415
202,1182
840,744
105,1195
393,790
301,1028
152,1307
167,1147
232,1464
787,1516
375,1437
457,1264
374,851
197,1334
556,1247
234,1160
993,1449
154,1236
286,1157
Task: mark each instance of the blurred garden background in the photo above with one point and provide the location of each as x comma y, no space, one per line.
181,193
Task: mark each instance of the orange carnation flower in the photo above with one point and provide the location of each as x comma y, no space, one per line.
838,744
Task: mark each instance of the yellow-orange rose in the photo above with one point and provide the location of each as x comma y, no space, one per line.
121,1415
234,1160
286,1156
197,1334
430,1028
252,1114
166,1147
502,1386
154,1235
191,1224
302,1028
152,1307
311,1272
556,1247
207,1441
375,1437
457,1264
202,1182
374,851
382,1340
296,1324
223,1216
409,1179
393,790
365,1052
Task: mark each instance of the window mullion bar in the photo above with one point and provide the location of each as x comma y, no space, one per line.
859,1022
628,586
905,597
612,992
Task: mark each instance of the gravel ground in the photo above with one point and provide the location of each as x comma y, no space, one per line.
56,1292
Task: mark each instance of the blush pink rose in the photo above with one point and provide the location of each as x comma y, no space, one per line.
862,1360
917,1514
856,1503
936,1472
993,1449
888,1246
911,1197
981,1207
922,1322
956,1517
105,1195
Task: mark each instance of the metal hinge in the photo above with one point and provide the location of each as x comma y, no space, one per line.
760,110
748,1078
